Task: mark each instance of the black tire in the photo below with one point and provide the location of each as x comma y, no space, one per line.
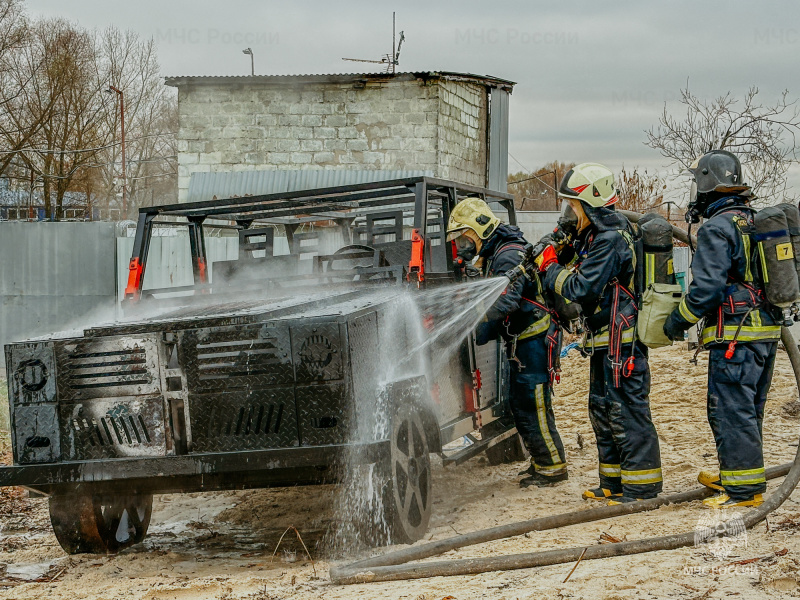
408,500
100,524
510,450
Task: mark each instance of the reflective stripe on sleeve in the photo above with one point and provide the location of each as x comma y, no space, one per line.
560,279
683,308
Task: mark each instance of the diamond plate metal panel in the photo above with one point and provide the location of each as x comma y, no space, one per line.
449,393
317,351
324,414
243,357
367,356
107,367
486,359
251,420
31,372
112,428
36,438
362,336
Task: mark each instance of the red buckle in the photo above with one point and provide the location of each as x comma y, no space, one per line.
629,364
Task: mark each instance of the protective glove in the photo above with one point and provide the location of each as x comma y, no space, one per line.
470,271
546,258
674,327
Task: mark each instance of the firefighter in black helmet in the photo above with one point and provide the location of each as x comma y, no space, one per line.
601,280
522,319
740,331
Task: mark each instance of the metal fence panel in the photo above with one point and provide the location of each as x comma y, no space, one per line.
535,224
54,277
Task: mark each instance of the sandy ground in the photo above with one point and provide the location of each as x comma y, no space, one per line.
220,545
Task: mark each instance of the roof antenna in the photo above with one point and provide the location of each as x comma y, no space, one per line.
390,60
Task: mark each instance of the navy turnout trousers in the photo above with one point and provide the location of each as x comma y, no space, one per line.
531,405
627,443
737,393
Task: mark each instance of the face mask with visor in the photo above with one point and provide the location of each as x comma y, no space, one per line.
465,247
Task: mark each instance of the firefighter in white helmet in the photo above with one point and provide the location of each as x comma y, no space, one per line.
600,279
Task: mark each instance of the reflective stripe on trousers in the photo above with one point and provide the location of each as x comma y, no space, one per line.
746,477
641,477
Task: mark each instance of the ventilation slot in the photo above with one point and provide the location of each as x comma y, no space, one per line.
127,430
107,369
236,358
253,420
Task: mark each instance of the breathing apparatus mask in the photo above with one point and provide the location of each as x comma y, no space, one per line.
567,227
696,206
466,248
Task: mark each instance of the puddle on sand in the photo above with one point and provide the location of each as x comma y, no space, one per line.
31,571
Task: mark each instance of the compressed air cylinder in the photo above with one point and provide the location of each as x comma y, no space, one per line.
793,220
777,257
657,246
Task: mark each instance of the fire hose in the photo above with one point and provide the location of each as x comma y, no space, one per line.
392,566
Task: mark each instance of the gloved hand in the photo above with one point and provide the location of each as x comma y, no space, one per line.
546,258
471,271
673,327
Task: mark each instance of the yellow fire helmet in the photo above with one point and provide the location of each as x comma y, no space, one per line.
472,213
591,183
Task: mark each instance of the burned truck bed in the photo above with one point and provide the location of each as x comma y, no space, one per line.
258,376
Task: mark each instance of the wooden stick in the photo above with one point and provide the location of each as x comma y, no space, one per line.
279,542
580,558
292,527
306,549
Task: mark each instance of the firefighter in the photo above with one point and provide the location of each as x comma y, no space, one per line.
727,292
601,279
521,318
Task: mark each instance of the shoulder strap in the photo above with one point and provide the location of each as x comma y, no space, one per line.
750,250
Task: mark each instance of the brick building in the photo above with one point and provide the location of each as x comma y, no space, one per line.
448,125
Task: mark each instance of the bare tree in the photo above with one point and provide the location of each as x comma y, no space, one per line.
12,27
640,191
763,136
537,190
129,63
60,110
60,130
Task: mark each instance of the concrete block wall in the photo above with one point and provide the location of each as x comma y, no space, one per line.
462,132
403,123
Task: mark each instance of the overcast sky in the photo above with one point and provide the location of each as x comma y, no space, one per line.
591,76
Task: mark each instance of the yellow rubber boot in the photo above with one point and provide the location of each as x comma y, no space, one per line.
708,479
725,501
599,494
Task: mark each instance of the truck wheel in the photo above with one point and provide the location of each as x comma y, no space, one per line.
409,497
510,450
99,524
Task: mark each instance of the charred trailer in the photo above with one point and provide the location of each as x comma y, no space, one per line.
279,367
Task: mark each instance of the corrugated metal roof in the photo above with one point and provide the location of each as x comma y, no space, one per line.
232,184
489,80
